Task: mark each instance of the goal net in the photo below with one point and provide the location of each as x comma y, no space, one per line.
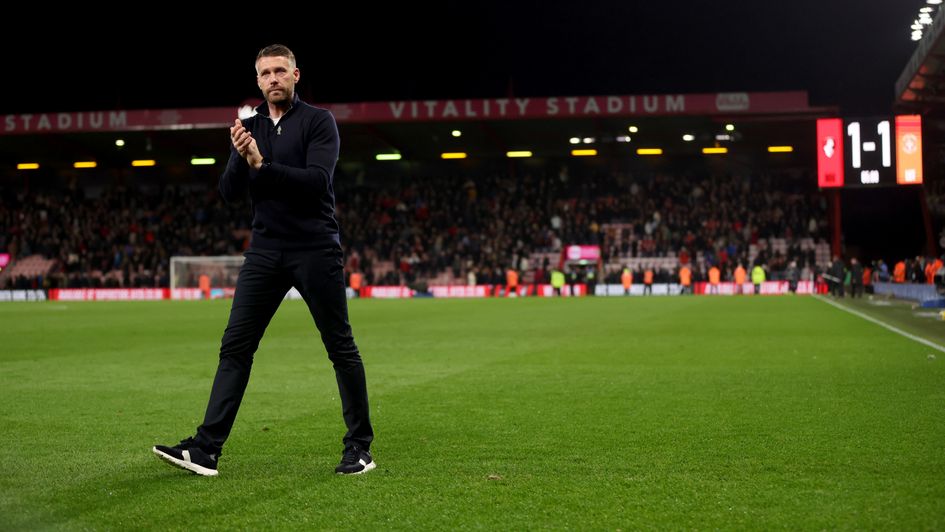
221,272
219,278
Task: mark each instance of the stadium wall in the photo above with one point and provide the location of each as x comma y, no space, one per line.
910,291
404,292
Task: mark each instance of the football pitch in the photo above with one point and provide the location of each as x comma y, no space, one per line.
587,414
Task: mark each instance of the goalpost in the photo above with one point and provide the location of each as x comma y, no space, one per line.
221,271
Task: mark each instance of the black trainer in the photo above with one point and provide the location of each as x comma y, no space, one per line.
188,455
355,461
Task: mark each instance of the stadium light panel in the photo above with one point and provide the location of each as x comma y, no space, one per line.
650,151
633,129
933,2
588,140
574,140
27,166
84,164
780,149
202,161
387,156
714,151
688,138
119,142
729,127
143,162
453,155
584,153
457,133
516,154
925,9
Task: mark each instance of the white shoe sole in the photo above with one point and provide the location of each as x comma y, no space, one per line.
183,464
367,468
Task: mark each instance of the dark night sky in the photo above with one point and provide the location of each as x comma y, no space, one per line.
844,52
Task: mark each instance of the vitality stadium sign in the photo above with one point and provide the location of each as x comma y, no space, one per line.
575,107
538,108
726,103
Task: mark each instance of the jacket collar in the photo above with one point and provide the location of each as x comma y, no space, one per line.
263,108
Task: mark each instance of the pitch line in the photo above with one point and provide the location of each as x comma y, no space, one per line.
896,330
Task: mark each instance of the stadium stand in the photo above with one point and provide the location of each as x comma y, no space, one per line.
433,229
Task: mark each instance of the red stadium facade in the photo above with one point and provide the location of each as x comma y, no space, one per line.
732,103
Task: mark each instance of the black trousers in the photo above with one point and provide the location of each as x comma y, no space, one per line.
263,281
856,289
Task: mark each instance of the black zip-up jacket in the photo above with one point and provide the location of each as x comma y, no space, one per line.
292,196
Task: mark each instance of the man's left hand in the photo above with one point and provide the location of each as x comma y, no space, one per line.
253,157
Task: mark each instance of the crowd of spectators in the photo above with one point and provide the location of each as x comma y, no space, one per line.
471,227
483,226
121,237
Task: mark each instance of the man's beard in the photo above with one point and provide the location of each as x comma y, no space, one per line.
281,96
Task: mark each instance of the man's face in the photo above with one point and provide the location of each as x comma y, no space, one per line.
276,78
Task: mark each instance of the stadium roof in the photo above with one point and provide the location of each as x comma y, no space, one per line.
425,141
921,86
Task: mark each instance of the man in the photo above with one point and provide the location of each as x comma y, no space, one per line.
740,275
899,272
626,279
939,279
557,281
685,280
837,277
648,280
882,272
793,277
931,268
538,278
511,283
715,277
856,278
590,277
284,156
573,278
758,277
355,281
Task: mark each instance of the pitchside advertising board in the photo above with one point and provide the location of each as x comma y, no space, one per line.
869,152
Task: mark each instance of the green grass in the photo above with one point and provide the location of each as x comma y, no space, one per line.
665,413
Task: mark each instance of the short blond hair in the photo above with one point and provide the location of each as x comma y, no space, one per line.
277,50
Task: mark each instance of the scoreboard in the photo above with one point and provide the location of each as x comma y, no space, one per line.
869,152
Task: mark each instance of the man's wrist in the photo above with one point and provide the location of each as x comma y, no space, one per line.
262,164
